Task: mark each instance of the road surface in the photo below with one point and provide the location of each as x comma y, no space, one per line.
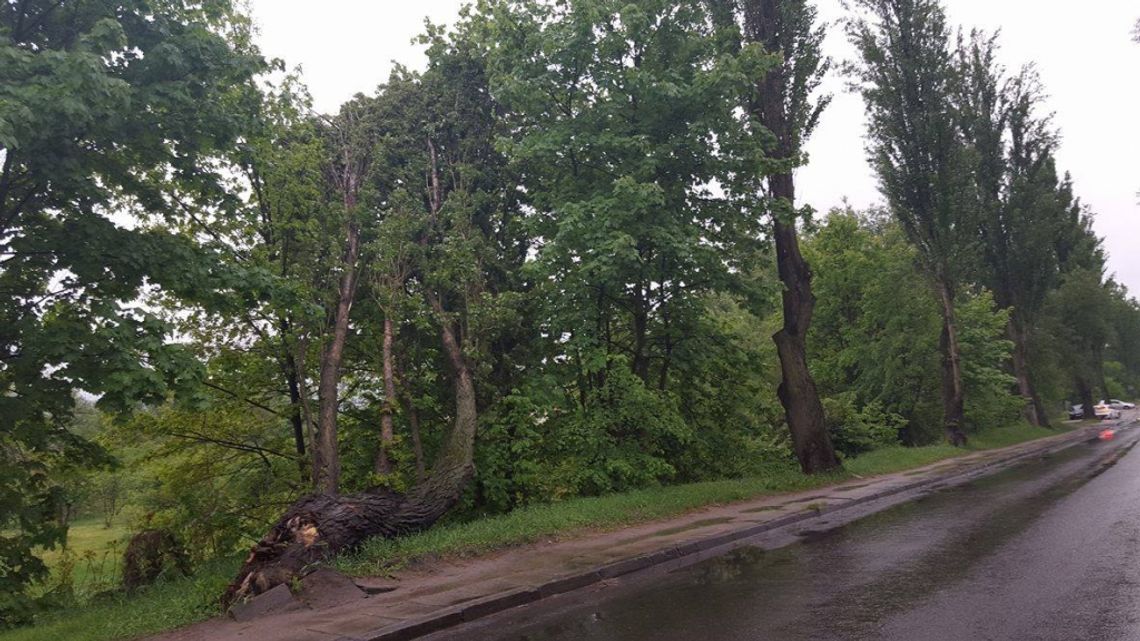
1047,551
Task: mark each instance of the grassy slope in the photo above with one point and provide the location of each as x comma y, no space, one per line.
180,602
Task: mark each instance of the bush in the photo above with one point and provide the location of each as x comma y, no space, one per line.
857,430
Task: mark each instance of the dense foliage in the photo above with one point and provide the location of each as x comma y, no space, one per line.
567,209
109,111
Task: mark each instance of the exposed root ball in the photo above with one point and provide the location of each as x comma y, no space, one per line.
149,554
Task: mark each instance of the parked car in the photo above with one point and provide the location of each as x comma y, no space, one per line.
1104,411
1117,404
1076,412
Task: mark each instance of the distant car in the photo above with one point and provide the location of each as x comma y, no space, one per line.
1104,412
1076,412
1117,404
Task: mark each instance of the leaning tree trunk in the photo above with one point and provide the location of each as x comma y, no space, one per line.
1034,409
779,104
797,391
320,526
953,397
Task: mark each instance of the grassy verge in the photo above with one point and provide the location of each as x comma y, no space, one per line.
899,458
180,602
576,516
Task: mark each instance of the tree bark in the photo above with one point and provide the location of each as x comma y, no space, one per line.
297,411
322,525
387,433
778,104
326,455
413,423
417,442
296,416
798,393
953,397
1034,409
459,448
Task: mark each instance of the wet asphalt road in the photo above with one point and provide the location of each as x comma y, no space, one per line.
1049,550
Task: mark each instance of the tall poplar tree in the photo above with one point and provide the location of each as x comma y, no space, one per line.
1015,190
784,105
906,76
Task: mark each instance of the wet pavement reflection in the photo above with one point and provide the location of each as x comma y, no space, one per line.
1045,551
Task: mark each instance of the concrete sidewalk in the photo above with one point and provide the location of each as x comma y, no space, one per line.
451,592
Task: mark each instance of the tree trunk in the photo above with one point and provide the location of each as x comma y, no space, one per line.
299,356
413,421
417,442
320,526
297,412
798,393
1034,409
459,448
1086,393
774,104
387,434
1102,381
296,416
640,361
953,397
326,456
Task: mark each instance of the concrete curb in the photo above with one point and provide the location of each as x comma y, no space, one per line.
479,608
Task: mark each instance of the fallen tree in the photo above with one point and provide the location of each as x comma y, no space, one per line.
322,525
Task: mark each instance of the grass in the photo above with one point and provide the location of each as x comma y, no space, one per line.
180,602
528,525
163,606
896,459
568,518
94,553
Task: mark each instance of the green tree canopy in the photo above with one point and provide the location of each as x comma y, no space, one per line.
111,113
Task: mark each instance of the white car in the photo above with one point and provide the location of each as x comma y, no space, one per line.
1105,411
1117,404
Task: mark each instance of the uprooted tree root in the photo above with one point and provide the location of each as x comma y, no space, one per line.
321,526
149,554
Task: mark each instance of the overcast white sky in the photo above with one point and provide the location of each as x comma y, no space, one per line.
1084,53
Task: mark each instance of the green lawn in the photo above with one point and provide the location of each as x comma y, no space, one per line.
180,602
94,552
164,606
